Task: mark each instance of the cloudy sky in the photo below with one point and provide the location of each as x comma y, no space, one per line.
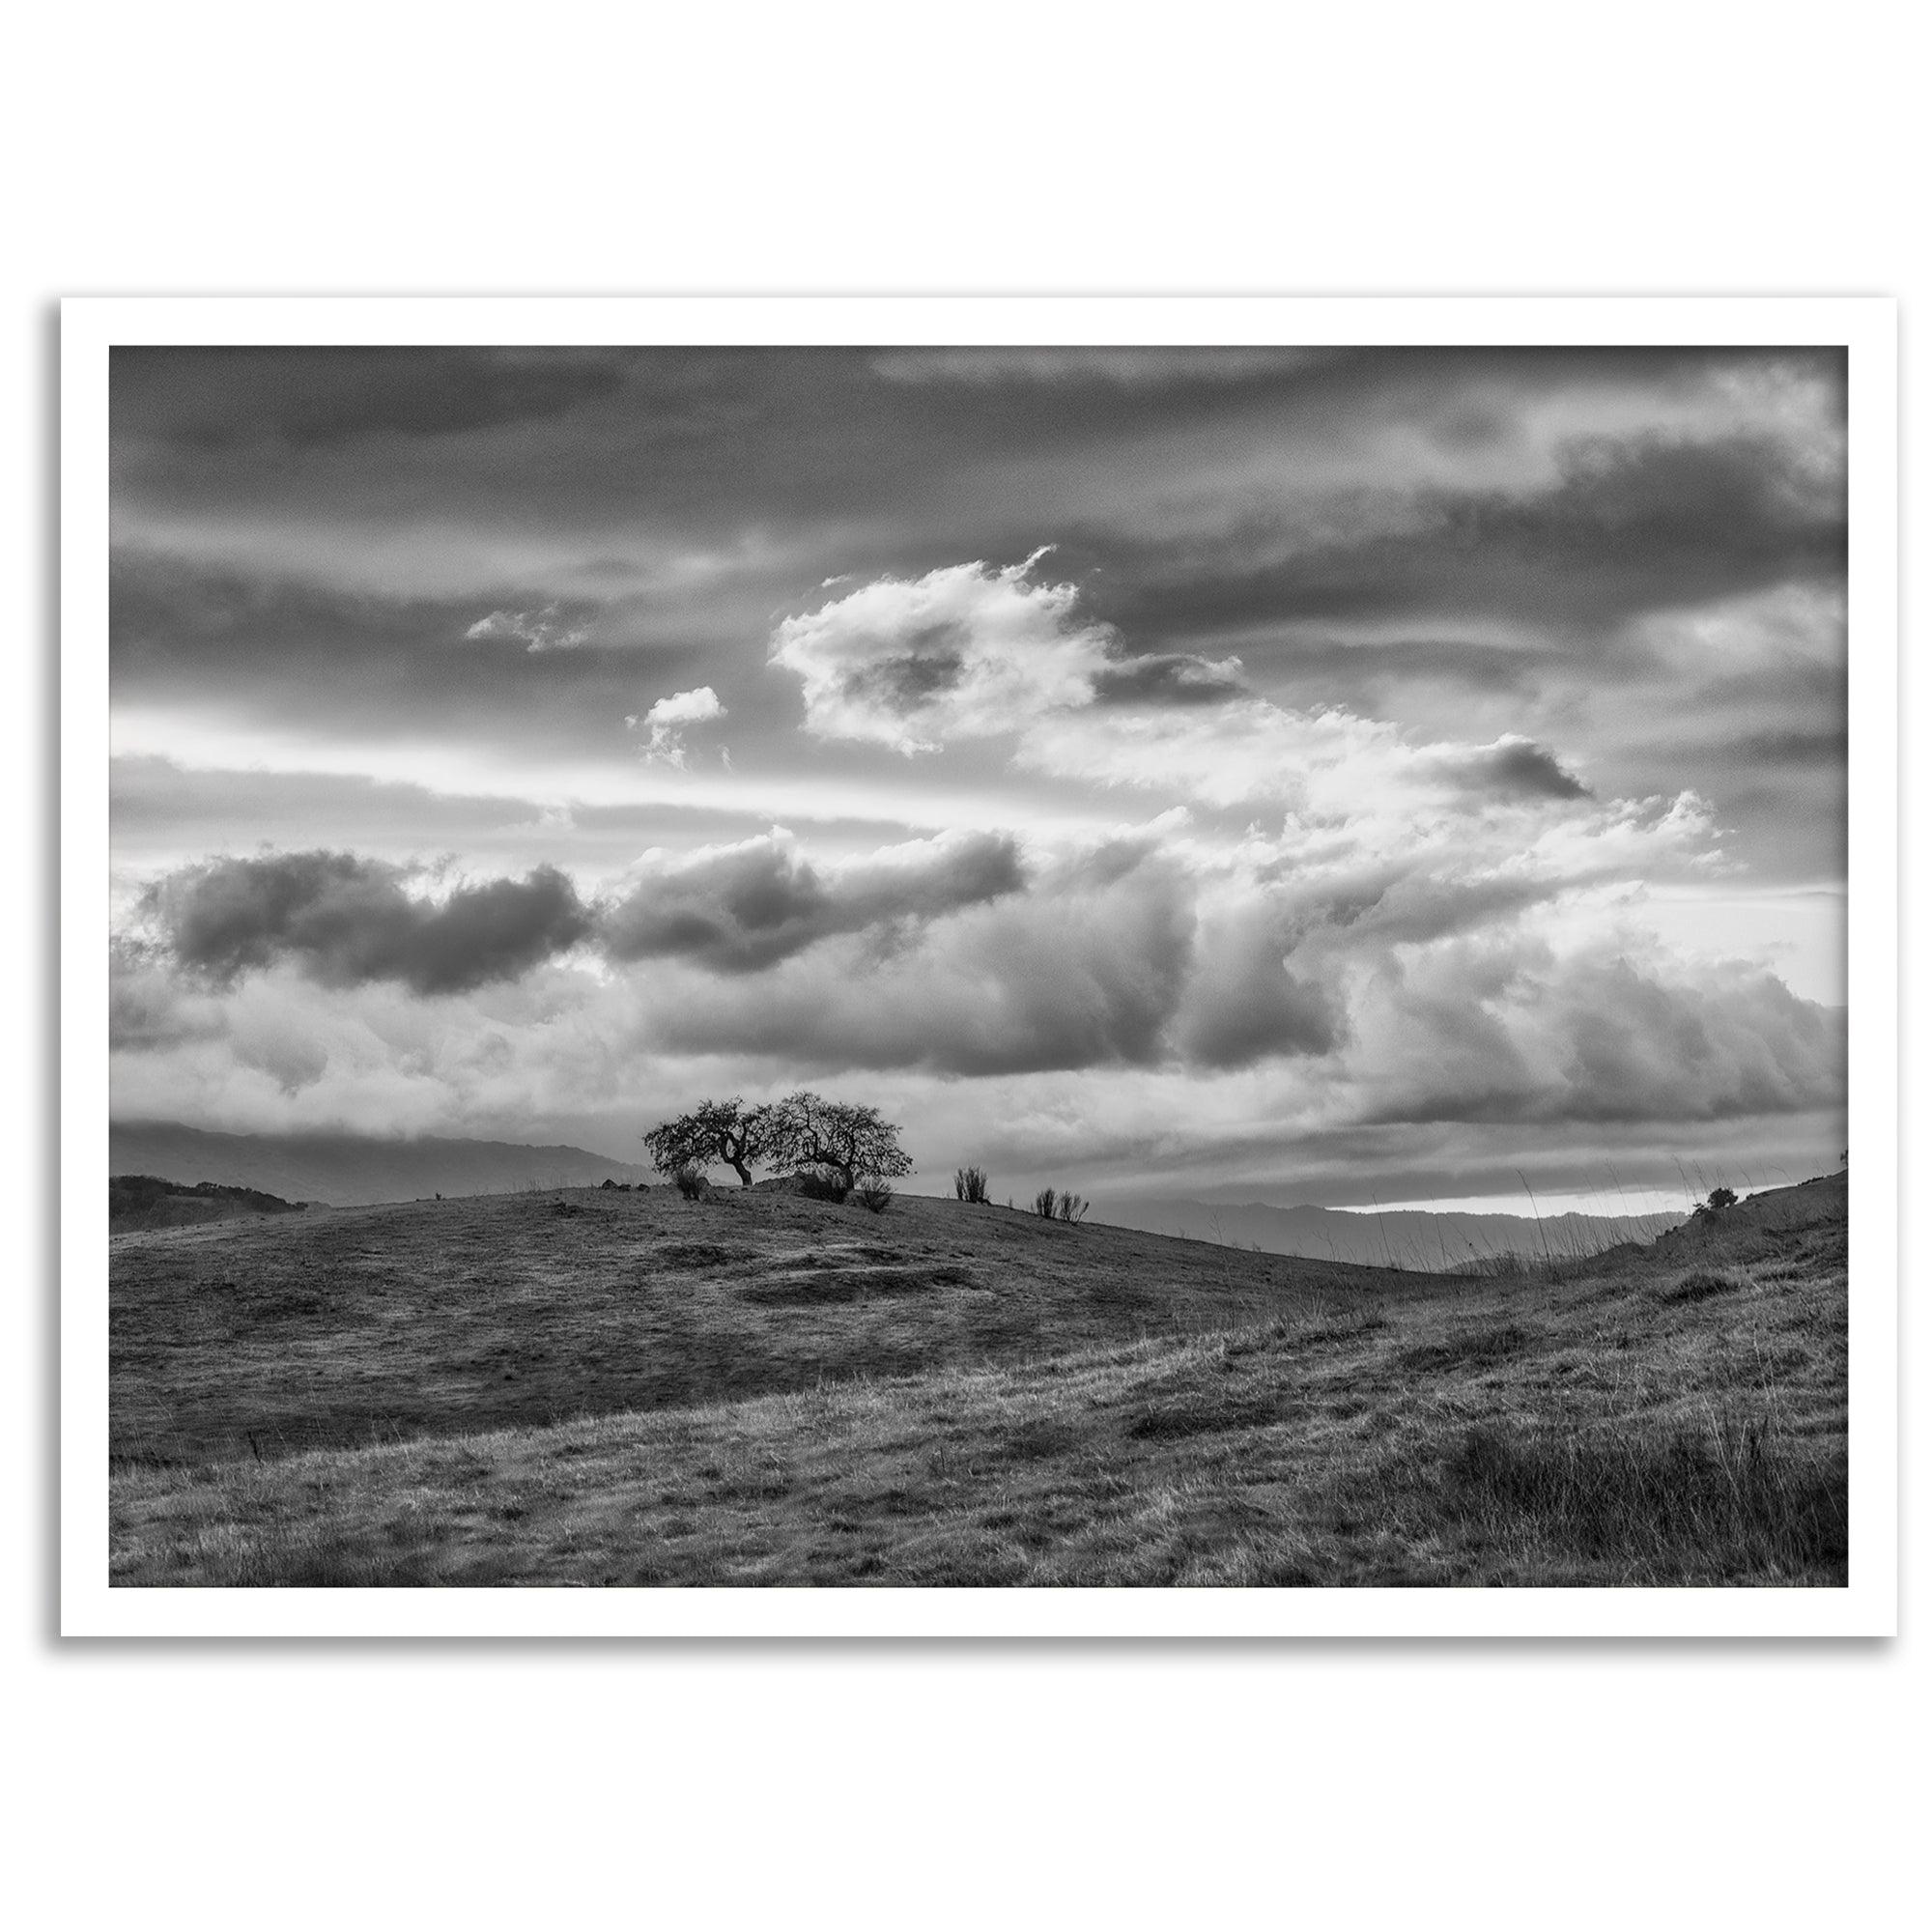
1288,775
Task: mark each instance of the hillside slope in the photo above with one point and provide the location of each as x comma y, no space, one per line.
1073,1412
437,1317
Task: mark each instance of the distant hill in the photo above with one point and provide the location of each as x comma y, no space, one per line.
353,1170
142,1201
1412,1239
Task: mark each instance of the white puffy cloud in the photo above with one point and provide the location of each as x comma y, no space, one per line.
964,652
668,717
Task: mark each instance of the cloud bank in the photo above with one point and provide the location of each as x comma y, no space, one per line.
1383,762
346,920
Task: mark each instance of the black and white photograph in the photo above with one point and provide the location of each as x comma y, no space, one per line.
967,968
1209,966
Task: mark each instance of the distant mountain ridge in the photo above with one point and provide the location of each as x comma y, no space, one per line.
1408,1237
353,1170
358,1170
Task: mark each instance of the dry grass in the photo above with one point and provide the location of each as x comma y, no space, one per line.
1079,1406
368,1324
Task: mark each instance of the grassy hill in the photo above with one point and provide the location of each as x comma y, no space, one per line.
620,1388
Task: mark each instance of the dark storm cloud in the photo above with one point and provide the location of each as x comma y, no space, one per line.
1496,1035
744,909
1084,971
1636,526
1520,769
1245,1004
214,397
346,920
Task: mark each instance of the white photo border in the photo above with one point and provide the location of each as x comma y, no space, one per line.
1865,325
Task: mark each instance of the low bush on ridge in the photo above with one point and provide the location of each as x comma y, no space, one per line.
1052,1204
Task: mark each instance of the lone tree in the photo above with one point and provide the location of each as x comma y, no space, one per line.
806,1130
716,1130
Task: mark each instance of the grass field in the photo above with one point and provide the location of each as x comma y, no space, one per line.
611,1388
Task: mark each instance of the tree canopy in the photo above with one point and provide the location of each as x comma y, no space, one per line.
714,1131
806,1129
802,1130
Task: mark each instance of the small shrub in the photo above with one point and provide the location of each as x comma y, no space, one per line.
969,1183
815,1184
690,1181
1700,1284
876,1195
1044,1202
1723,1197
1072,1209
607,1186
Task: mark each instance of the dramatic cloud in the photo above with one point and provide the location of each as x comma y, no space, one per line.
1084,971
1503,1030
963,652
1387,768
741,908
1243,1003
346,920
